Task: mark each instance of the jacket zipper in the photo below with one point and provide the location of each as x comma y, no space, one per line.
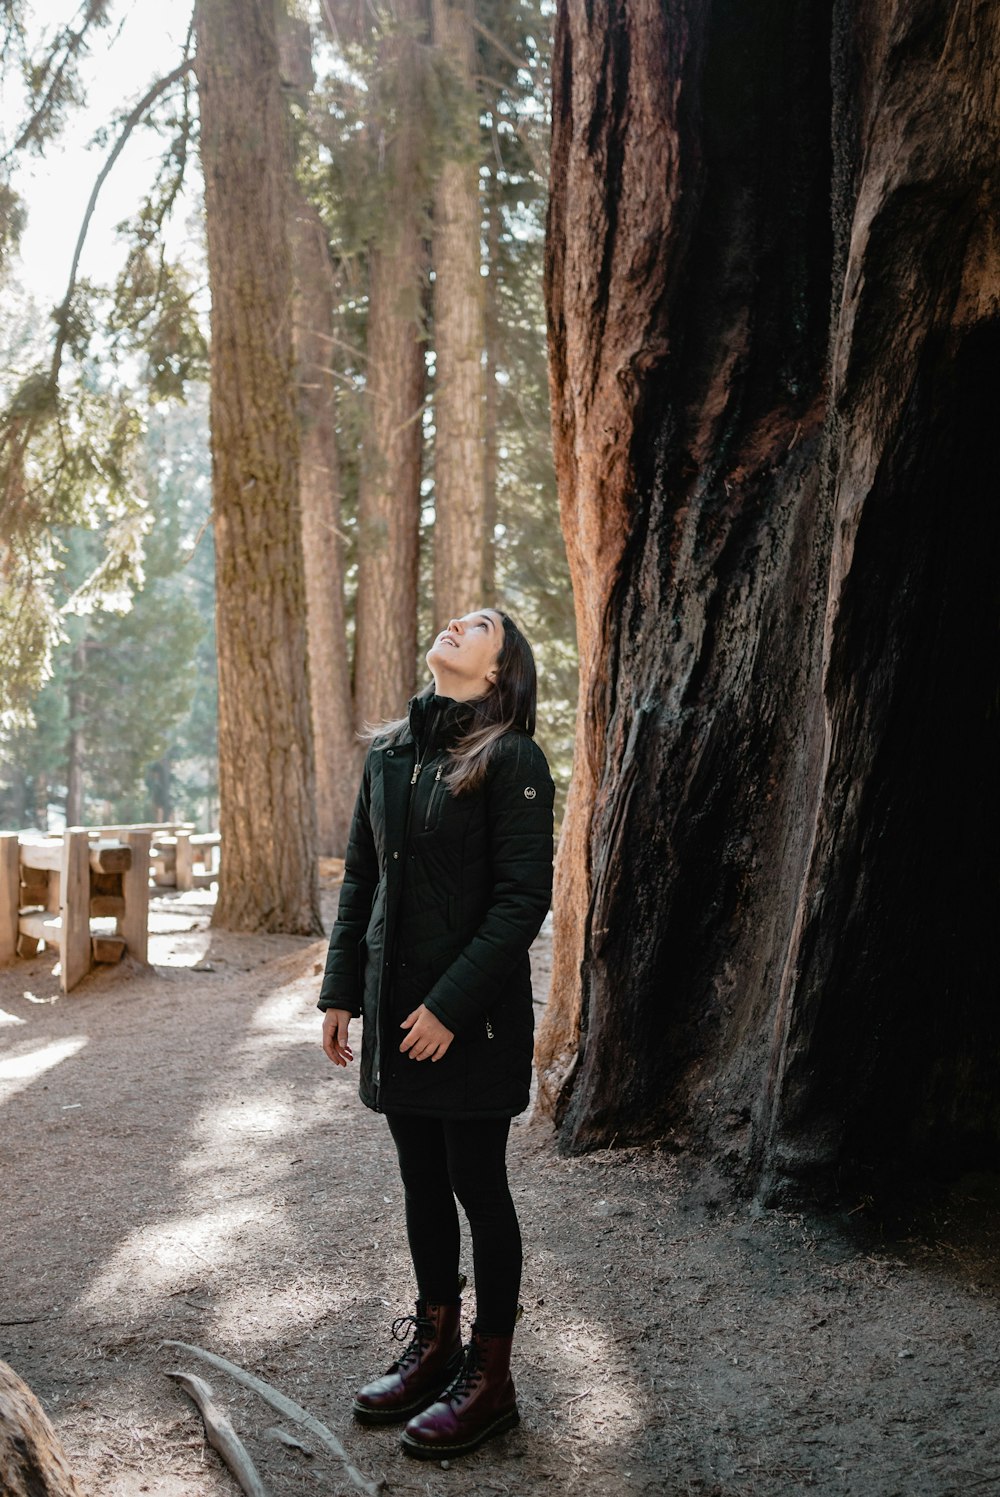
430,798
418,766
489,1028
389,953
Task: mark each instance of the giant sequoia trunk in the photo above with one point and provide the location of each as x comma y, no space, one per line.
460,538
338,756
385,659
267,810
774,296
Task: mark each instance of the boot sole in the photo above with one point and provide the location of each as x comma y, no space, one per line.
439,1451
399,1415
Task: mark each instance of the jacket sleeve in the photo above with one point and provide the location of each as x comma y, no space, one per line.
341,986
519,795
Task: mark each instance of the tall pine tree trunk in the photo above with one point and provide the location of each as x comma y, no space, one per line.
338,755
266,772
491,404
459,481
781,520
389,496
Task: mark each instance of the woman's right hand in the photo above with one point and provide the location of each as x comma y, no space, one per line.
335,1022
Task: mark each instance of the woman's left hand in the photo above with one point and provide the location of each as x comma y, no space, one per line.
428,1038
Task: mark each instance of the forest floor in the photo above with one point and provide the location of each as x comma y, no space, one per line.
181,1162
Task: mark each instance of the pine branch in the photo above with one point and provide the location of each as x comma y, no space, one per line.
73,42
133,119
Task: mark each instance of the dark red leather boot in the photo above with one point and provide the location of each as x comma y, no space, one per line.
426,1367
479,1404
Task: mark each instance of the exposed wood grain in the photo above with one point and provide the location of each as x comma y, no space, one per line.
39,927
110,857
34,881
291,1410
74,908
134,924
46,856
107,906
107,949
221,1434
10,895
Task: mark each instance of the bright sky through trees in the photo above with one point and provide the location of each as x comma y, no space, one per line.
143,41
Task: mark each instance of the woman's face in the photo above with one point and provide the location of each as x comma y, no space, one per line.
463,655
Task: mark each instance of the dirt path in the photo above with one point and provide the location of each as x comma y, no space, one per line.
180,1161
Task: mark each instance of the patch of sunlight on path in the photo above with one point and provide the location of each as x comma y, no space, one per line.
233,1207
18,1071
613,1402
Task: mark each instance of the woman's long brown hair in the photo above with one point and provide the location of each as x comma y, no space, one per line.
510,702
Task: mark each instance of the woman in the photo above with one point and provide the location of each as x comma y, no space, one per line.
448,877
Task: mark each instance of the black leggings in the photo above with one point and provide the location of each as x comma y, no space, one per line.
440,1159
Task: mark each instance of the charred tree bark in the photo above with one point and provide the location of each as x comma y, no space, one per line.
266,770
769,365
389,498
338,755
459,481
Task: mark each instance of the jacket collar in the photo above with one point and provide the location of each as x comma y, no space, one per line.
438,723
435,724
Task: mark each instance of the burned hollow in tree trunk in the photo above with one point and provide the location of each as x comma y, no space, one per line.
773,295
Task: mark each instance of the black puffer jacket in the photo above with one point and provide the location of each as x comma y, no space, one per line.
443,895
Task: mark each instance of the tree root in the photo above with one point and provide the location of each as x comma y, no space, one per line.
221,1435
291,1410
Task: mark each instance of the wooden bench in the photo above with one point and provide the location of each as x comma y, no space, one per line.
186,860
52,887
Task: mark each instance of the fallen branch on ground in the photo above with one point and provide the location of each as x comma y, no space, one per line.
291,1410
221,1435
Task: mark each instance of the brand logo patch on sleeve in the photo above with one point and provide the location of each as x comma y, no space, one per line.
530,792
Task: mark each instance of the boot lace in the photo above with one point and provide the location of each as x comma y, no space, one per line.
469,1376
420,1330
